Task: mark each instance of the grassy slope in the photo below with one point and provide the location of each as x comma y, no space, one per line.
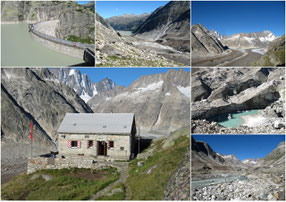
120,195
66,184
150,186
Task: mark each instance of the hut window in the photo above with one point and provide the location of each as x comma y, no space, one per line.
121,148
89,144
74,144
110,144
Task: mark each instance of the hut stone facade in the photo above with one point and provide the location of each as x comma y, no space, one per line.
106,136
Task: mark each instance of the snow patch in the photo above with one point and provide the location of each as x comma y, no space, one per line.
8,75
85,97
186,91
72,72
259,50
167,94
152,86
233,37
268,38
249,39
94,91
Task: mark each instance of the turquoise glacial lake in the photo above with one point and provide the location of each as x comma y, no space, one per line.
235,120
18,48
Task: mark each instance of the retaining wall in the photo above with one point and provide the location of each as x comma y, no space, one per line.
74,49
39,163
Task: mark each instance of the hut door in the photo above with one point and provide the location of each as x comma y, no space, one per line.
101,148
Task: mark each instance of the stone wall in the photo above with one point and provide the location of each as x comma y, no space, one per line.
39,163
121,150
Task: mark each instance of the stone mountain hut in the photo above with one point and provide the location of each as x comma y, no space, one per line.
106,136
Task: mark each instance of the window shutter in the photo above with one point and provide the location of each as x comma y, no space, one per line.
69,144
87,143
78,144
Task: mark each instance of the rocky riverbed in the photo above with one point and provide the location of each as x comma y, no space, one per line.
254,187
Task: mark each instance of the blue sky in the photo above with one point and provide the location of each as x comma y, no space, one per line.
121,76
242,146
82,2
114,8
230,17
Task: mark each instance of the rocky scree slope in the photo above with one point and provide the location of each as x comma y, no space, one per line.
275,55
249,40
224,90
112,50
159,101
127,22
261,181
168,25
84,87
73,19
204,43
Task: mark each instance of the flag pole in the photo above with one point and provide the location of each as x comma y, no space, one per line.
31,137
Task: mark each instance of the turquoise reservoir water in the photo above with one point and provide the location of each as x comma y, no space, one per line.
18,48
236,119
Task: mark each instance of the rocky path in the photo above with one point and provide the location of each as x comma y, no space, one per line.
123,169
254,188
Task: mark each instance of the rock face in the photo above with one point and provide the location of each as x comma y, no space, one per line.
83,86
275,55
73,19
217,35
204,43
112,50
41,96
275,159
204,158
127,22
168,25
231,160
250,162
16,122
79,23
159,101
224,90
178,187
250,40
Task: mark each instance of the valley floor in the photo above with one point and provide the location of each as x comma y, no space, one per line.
133,51
232,57
238,186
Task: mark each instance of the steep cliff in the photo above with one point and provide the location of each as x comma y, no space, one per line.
169,25
75,22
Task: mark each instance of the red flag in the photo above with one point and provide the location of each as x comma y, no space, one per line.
31,134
